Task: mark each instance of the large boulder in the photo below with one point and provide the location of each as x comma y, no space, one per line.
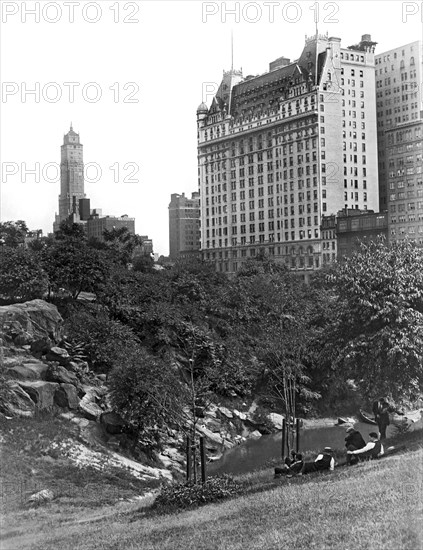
66,396
21,372
212,425
16,401
216,438
23,338
113,423
89,408
41,392
42,497
56,373
225,412
59,355
37,367
31,321
276,419
41,346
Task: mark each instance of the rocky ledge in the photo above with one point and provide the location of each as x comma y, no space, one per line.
40,376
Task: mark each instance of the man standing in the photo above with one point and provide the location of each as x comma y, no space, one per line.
373,449
381,410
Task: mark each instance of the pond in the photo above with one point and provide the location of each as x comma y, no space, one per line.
254,453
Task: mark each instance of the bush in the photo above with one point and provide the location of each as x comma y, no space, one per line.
21,276
104,339
187,495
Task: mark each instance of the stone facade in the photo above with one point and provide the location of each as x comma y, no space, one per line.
278,151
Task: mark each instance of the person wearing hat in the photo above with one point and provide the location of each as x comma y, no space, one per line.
373,449
324,461
381,410
291,466
353,441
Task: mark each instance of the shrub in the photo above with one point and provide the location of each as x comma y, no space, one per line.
187,495
21,276
104,339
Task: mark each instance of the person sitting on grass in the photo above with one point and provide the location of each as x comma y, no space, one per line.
373,449
324,461
292,465
353,441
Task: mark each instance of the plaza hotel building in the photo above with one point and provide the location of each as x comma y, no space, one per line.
278,151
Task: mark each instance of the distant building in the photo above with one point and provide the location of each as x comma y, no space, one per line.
32,235
71,180
145,248
404,149
184,225
352,228
399,102
96,225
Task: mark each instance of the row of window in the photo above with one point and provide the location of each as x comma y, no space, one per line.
302,234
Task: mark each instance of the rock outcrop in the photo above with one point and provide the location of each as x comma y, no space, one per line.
41,375
31,321
41,392
16,401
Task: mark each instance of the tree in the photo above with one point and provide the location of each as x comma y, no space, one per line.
12,234
121,244
379,326
21,276
146,390
74,266
69,231
103,338
284,335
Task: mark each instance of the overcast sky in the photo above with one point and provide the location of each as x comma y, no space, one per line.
174,50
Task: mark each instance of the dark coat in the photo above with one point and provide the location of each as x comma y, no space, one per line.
355,439
381,412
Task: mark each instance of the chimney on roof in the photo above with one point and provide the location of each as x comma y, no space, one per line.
279,63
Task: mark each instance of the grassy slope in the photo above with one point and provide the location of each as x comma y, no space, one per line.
28,464
376,505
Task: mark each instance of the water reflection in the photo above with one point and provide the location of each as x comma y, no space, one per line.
255,452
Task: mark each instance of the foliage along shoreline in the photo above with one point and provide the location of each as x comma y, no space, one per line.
171,340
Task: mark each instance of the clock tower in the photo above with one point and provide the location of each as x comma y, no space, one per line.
71,177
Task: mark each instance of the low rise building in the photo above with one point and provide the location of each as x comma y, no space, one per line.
353,228
96,225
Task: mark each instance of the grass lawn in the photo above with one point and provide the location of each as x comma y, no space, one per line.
375,505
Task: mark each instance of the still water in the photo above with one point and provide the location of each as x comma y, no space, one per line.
255,453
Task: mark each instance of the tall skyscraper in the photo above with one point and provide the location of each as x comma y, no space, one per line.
278,151
184,224
71,178
399,102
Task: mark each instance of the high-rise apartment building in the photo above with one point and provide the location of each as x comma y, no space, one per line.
71,178
184,224
399,102
278,151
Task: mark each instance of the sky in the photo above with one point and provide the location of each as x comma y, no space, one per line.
130,76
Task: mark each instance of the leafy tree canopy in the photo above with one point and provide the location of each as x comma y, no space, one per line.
379,322
12,234
21,276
